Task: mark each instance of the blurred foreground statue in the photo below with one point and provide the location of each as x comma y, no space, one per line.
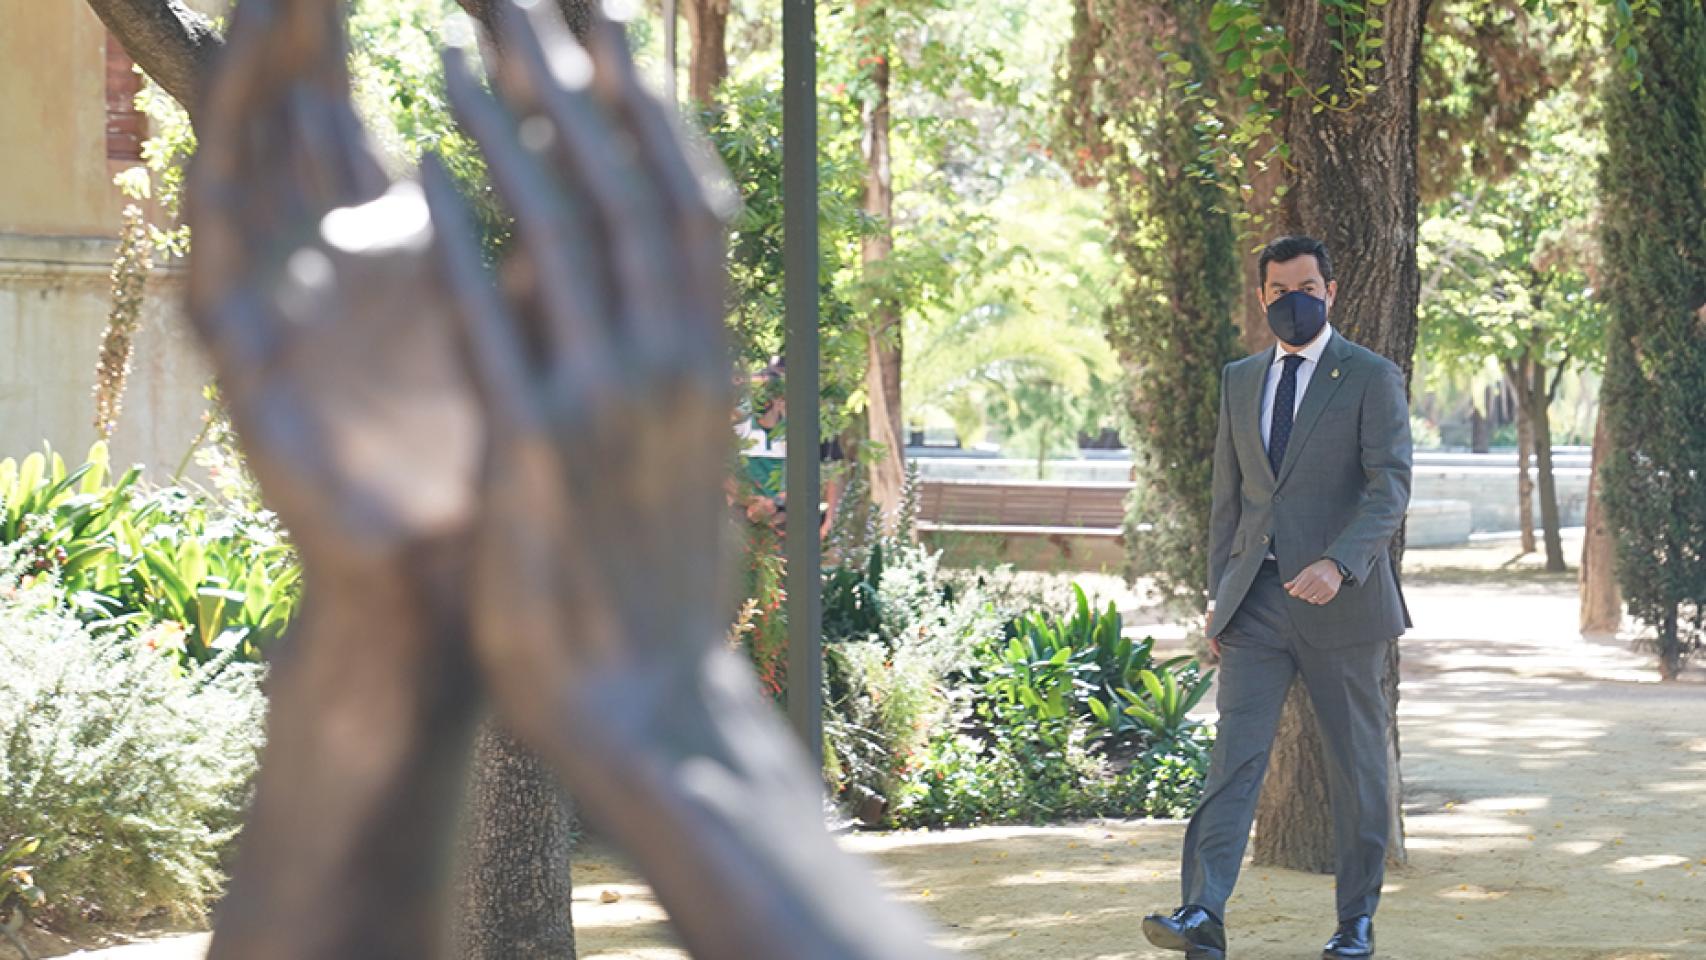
542,461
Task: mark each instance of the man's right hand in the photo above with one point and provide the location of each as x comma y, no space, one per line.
1213,642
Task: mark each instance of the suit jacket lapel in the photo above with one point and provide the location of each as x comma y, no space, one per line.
1254,382
1323,384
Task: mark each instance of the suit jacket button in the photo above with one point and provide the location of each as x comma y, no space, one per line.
1264,538
1278,497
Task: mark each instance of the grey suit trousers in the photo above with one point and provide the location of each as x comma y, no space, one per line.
1261,651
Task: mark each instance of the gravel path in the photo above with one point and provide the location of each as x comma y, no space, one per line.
1556,809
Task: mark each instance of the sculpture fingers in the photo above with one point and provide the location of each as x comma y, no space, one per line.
280,146
689,180
496,359
617,80
549,73
564,263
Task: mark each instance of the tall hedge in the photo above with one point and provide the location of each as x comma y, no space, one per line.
1653,235
1144,137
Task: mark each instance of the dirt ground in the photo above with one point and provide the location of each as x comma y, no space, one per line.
1556,808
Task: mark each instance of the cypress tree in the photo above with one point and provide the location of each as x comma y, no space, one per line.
1137,130
1653,235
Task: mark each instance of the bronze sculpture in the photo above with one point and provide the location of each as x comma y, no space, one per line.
506,490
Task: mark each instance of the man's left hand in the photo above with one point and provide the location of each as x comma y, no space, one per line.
1318,583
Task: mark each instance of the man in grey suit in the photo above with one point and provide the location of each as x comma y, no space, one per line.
1311,480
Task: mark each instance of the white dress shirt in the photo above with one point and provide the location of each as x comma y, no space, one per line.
1311,355
1311,359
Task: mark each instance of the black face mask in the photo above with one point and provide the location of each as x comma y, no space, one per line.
1297,317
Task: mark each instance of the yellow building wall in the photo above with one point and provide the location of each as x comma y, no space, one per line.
59,214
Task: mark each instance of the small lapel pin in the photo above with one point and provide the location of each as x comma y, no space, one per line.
1335,373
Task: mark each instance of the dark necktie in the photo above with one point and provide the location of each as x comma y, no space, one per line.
1285,399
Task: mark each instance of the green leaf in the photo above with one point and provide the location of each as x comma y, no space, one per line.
29,478
99,462
1152,683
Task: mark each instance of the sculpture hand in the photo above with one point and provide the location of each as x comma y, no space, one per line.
311,285
599,590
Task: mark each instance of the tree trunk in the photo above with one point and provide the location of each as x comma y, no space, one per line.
1480,432
175,46
1524,480
1293,825
516,840
1602,602
1354,186
1670,646
1541,419
708,21
882,332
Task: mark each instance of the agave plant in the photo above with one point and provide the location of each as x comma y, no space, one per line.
130,559
1169,694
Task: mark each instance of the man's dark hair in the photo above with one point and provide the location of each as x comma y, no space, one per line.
1289,248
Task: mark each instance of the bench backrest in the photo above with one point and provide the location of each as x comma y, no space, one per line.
1024,503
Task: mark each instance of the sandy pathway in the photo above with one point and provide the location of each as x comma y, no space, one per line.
1556,811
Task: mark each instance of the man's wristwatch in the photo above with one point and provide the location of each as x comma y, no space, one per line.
1344,571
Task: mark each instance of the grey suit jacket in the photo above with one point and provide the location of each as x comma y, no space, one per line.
1341,492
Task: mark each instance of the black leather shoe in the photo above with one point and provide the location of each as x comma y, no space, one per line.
1354,941
1191,929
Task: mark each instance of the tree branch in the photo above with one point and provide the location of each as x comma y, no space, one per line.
1558,378
173,44
578,13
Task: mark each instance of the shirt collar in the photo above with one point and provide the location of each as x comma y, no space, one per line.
1311,353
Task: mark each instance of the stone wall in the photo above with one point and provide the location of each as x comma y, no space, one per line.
54,298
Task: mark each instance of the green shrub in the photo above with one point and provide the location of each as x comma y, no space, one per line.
1069,718
130,771
135,559
19,894
893,682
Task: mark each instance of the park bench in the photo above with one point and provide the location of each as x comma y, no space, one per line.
1074,520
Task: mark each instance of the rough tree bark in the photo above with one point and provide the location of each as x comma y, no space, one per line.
708,21
1602,601
882,336
516,841
1354,185
520,829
